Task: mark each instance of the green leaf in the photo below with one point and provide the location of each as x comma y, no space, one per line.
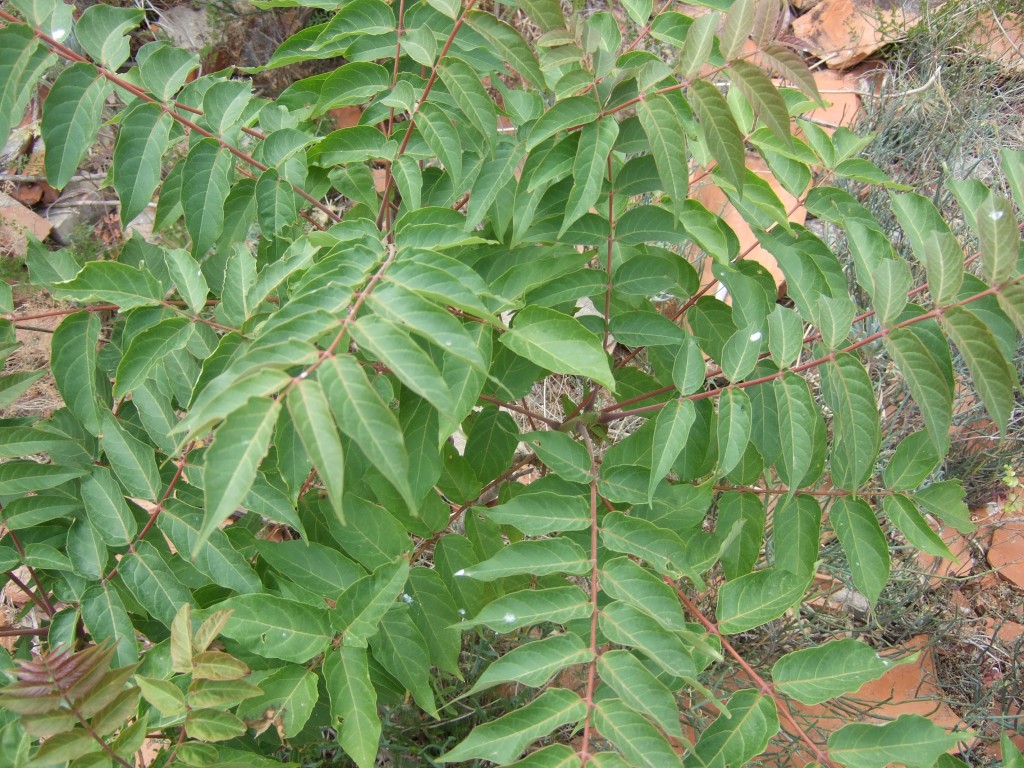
213,725
221,693
106,619
640,689
799,420
627,625
910,740
491,442
29,476
101,32
700,38
433,609
352,83
723,136
360,17
797,534
148,349
689,368
441,136
316,567
739,22
164,67
363,416
22,61
151,581
362,606
533,664
945,500
792,67
71,119
814,675
999,236
133,461
492,181
904,515
544,507
354,700
400,648
162,694
763,97
217,665
935,246
734,424
470,96
509,45
539,558
1012,757
928,384
312,418
276,204
558,343
276,628
590,168
911,463
661,548
857,435
557,605
14,385
561,454
86,550
238,447
140,147
204,188
290,691
639,741
114,283
62,747
671,432
864,543
759,597
740,555
739,735
216,559
664,129
646,329
405,359
504,739
993,376
575,110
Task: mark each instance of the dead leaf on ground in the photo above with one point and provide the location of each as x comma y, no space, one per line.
845,32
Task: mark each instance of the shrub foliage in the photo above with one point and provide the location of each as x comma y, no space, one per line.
321,311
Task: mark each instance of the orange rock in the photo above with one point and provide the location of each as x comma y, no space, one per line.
844,32
1000,39
15,221
1006,555
942,569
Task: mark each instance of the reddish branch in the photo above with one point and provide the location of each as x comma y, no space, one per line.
39,599
595,588
610,415
763,685
155,512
